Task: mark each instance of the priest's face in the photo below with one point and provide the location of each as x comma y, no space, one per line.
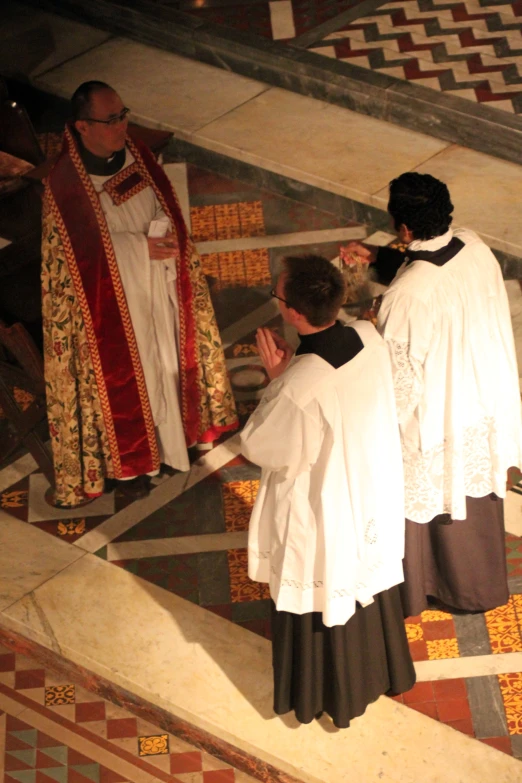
104,132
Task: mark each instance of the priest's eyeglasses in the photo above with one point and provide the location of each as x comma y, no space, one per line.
273,293
112,120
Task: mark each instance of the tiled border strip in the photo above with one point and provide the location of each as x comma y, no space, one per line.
412,106
87,736
186,731
342,206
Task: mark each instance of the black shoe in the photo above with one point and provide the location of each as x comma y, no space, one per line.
135,488
109,485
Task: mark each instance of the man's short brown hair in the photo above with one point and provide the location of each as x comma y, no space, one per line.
314,287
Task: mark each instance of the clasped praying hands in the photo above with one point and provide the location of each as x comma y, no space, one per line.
274,351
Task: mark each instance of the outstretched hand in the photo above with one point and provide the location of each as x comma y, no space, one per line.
352,250
274,351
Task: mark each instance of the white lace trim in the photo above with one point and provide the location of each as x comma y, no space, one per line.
359,591
370,533
407,379
437,481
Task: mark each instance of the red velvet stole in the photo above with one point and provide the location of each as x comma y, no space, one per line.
90,256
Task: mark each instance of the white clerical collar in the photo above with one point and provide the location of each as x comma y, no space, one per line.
432,244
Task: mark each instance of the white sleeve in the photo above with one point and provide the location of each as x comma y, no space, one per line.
280,435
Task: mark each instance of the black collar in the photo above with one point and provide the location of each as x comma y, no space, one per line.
336,345
308,342
437,257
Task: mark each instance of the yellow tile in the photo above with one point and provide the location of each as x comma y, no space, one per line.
238,500
203,224
414,632
264,590
228,225
13,499
238,268
71,527
442,648
56,695
251,219
245,349
231,269
503,628
257,267
210,264
242,588
153,746
511,690
517,603
430,615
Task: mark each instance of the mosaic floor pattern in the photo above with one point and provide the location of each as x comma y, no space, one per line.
53,730
471,49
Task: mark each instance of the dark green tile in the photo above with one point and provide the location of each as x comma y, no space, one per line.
198,510
251,610
213,578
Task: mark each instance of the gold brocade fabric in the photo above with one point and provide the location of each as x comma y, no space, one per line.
81,453
217,407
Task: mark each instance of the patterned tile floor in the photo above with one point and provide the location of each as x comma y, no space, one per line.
53,730
194,543
470,49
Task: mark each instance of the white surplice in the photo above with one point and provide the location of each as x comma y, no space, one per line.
451,343
327,528
150,290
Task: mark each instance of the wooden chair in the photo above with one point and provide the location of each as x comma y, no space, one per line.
21,371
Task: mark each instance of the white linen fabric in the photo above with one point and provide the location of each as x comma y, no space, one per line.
327,527
152,299
450,337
